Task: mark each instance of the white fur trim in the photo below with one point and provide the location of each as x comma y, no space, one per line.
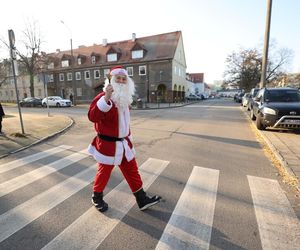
124,120
103,105
109,160
113,160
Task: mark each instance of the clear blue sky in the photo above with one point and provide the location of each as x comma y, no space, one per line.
211,29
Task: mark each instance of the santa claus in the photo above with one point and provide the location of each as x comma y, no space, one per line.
109,111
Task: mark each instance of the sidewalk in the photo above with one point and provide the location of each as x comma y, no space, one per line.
36,127
284,149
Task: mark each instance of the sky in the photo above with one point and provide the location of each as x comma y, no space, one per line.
211,29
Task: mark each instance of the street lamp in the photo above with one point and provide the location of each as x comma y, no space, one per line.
72,66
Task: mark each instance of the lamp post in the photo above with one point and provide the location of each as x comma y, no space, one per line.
72,66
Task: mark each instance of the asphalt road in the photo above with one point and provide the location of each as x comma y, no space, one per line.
219,190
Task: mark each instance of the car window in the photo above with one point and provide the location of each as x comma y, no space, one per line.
282,96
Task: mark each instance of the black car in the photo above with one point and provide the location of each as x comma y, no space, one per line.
277,108
31,102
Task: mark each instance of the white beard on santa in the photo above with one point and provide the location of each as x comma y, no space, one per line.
123,92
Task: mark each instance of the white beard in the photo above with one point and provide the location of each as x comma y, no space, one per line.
122,95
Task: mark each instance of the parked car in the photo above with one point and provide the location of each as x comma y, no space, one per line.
238,97
56,101
31,102
245,99
192,97
277,108
253,93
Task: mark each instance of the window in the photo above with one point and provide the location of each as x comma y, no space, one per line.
69,76
130,71
175,70
96,74
106,72
112,57
51,78
87,74
142,70
65,63
78,75
93,59
61,77
79,61
51,65
137,54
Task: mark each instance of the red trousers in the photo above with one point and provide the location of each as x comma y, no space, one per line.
129,170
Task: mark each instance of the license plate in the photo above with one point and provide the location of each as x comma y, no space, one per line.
292,121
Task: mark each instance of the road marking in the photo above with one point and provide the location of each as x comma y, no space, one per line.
25,179
90,229
278,225
28,159
191,222
18,217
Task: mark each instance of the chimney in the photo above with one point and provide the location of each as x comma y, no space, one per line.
57,51
133,37
104,42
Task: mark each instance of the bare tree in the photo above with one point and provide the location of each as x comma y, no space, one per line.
243,68
30,52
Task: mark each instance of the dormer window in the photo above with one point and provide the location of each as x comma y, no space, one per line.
112,57
135,54
65,63
51,65
79,61
93,59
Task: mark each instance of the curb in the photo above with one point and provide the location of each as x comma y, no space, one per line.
41,140
276,153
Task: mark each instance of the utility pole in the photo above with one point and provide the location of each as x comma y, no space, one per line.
11,36
266,45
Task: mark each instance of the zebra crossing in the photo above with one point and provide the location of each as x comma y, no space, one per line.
190,224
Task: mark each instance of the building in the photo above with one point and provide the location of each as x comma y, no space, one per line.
156,64
7,85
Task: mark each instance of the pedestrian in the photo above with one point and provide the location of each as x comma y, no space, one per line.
2,114
109,111
71,98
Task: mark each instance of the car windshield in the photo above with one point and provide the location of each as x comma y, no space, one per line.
282,96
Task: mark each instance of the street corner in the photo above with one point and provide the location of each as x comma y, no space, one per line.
36,128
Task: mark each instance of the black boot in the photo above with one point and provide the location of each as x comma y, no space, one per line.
99,203
144,201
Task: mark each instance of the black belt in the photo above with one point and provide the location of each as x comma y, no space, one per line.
109,138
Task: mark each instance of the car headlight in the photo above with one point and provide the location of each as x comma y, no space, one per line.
269,111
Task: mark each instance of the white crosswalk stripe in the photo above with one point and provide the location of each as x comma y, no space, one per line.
18,217
278,225
89,230
31,158
25,179
191,222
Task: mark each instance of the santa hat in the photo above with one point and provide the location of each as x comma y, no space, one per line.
118,70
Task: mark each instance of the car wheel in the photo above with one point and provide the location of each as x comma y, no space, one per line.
58,104
252,116
44,105
259,124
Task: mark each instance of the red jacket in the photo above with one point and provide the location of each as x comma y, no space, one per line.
110,121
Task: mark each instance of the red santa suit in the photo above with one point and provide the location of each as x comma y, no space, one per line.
116,148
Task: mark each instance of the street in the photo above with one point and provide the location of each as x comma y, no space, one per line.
219,189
